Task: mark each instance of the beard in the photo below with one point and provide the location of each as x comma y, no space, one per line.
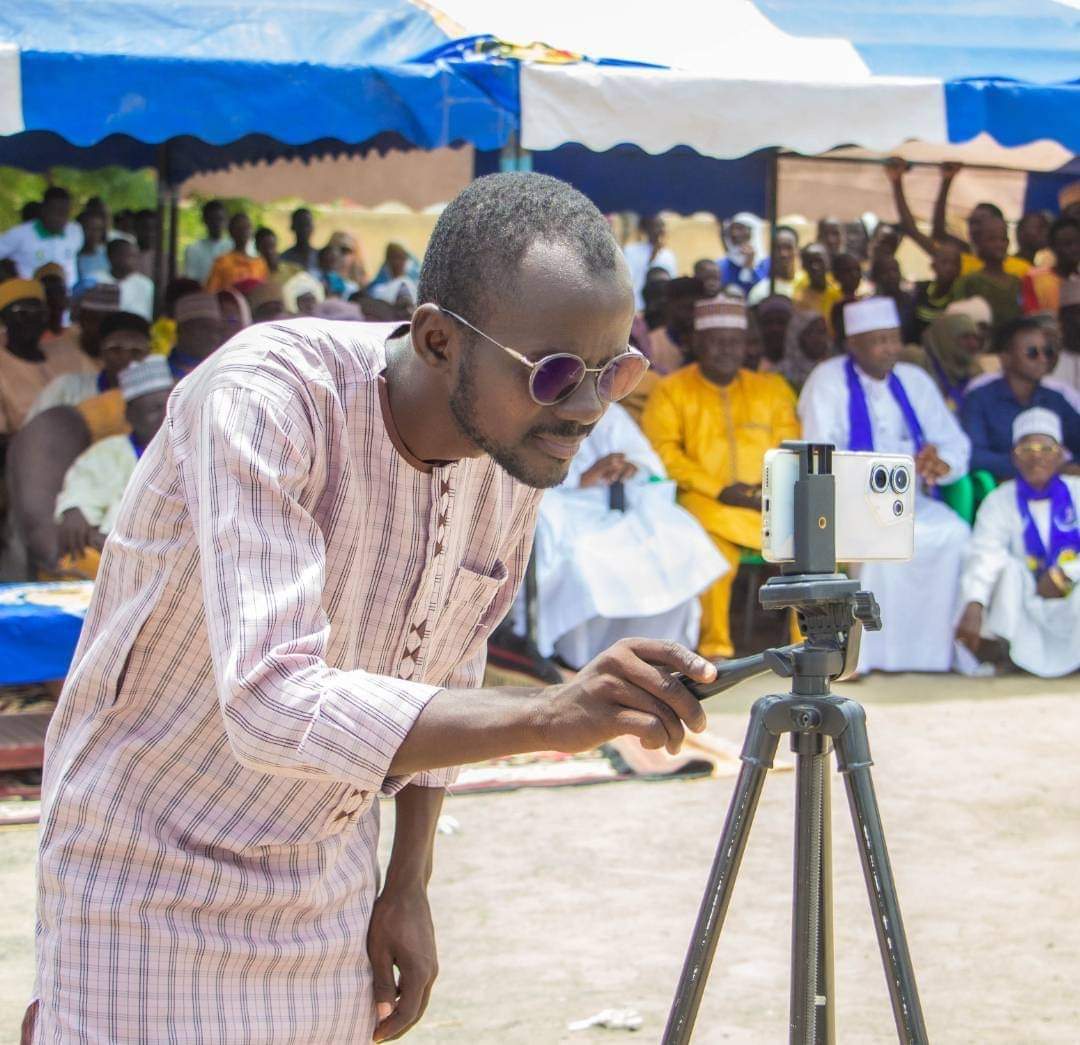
533,468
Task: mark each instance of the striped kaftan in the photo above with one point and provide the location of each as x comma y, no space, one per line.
283,591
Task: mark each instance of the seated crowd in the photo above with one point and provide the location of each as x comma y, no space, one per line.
975,373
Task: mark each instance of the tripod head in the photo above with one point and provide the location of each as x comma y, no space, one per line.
832,609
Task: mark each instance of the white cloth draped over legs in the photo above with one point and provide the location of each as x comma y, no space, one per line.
918,599
604,574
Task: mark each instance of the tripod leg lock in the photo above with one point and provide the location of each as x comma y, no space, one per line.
759,747
852,744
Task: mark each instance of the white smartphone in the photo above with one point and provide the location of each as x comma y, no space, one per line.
875,506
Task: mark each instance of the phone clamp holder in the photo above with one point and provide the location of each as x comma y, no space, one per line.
832,611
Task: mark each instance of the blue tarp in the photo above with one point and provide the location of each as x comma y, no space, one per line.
131,72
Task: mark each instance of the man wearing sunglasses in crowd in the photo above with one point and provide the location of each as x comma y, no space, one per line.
1019,584
992,404
291,619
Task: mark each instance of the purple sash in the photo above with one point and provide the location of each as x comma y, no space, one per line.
1064,534
860,431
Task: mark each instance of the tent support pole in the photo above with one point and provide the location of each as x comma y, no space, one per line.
772,186
174,229
160,261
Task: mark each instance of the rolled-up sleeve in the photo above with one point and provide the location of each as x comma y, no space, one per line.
286,711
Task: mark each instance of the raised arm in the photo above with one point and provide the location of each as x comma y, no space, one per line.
895,168
948,172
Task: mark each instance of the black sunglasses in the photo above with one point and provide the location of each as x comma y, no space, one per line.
1034,351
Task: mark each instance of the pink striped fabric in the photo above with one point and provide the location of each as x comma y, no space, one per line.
283,592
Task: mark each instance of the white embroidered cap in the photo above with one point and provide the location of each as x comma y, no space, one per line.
151,374
870,314
1037,421
720,312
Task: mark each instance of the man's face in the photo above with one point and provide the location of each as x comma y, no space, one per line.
993,241
655,231
303,225
25,321
1032,232
831,237
680,310
886,241
120,349
1066,247
306,304
214,219
814,340
55,214
720,353
1069,321
876,351
556,306
1038,458
267,247
773,323
817,267
121,258
202,335
93,225
146,413
240,230
709,273
976,221
56,295
396,261
739,234
145,229
848,273
887,274
946,263
785,251
1029,356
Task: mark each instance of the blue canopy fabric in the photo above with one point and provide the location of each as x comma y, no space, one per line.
122,76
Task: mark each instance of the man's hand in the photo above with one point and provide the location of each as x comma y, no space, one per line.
401,935
76,534
628,689
741,495
950,170
929,466
969,630
895,168
1047,587
612,468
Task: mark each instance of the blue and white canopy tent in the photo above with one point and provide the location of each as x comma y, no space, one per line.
643,123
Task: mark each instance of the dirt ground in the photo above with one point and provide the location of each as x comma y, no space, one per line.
554,904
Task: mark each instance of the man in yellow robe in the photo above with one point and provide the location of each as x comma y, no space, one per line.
711,424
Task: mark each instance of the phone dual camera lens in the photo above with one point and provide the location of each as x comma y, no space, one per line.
881,478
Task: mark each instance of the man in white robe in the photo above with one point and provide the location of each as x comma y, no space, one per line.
603,573
1020,574
867,400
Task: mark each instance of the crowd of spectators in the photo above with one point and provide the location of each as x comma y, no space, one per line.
975,372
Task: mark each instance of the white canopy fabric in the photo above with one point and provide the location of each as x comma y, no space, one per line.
658,109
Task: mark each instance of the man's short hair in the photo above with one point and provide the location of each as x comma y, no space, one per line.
262,231
1064,222
116,321
990,208
1005,333
56,192
210,205
478,243
789,230
115,246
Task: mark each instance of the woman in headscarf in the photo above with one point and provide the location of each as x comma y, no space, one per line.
950,353
806,343
746,261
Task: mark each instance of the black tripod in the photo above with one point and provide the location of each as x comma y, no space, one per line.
832,611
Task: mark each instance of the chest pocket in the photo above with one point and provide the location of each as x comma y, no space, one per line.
466,616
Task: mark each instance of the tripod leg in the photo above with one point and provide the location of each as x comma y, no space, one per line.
811,1016
757,755
853,757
